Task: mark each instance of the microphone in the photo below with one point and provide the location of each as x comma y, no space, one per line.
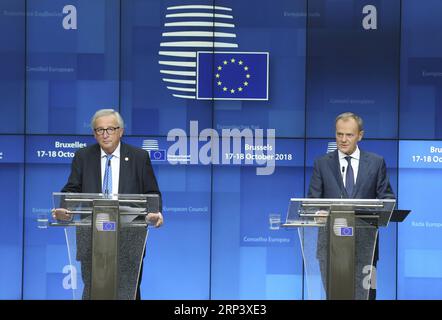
343,171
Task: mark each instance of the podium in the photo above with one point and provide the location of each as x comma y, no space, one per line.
107,235
338,240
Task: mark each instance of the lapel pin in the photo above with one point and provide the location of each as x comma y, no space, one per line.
126,159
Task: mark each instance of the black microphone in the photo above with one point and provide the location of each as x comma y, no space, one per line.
343,170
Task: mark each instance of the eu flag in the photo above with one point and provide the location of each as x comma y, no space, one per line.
233,75
109,226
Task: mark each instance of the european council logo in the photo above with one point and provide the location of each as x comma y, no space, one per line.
155,153
332,146
190,71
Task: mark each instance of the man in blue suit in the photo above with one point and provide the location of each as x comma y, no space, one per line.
349,172
131,170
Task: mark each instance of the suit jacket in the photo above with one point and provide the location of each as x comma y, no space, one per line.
371,183
136,177
136,174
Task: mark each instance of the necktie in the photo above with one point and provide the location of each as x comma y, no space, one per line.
107,181
349,177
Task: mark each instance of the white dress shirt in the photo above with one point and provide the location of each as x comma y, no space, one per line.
115,165
355,156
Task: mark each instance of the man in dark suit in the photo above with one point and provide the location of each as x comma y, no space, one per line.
130,167
350,172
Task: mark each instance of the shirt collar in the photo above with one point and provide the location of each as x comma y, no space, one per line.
355,155
116,152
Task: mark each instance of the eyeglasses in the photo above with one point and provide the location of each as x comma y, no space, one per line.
109,131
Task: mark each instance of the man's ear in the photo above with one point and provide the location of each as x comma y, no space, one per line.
361,134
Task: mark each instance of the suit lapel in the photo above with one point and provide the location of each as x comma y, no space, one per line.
362,172
336,169
96,162
124,168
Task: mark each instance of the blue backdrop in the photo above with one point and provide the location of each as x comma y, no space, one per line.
62,60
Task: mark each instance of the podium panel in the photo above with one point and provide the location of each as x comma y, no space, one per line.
338,239
105,240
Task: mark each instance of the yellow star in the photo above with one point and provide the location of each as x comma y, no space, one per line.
240,62
232,91
225,89
239,89
246,68
220,68
247,76
225,62
219,83
246,84
217,75
232,60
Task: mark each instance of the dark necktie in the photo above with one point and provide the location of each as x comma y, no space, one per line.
349,177
107,181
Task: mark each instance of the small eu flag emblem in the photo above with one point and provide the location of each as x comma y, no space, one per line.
346,231
233,75
109,226
157,155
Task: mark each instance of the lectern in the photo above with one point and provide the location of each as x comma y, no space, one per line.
107,235
338,239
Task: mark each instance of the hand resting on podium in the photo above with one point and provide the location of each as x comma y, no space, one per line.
61,214
323,214
155,219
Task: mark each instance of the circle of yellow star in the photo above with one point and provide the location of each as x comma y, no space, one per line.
218,76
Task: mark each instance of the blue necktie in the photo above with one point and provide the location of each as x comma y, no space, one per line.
349,178
107,181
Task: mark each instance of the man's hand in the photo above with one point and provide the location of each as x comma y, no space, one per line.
155,219
324,215
61,214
